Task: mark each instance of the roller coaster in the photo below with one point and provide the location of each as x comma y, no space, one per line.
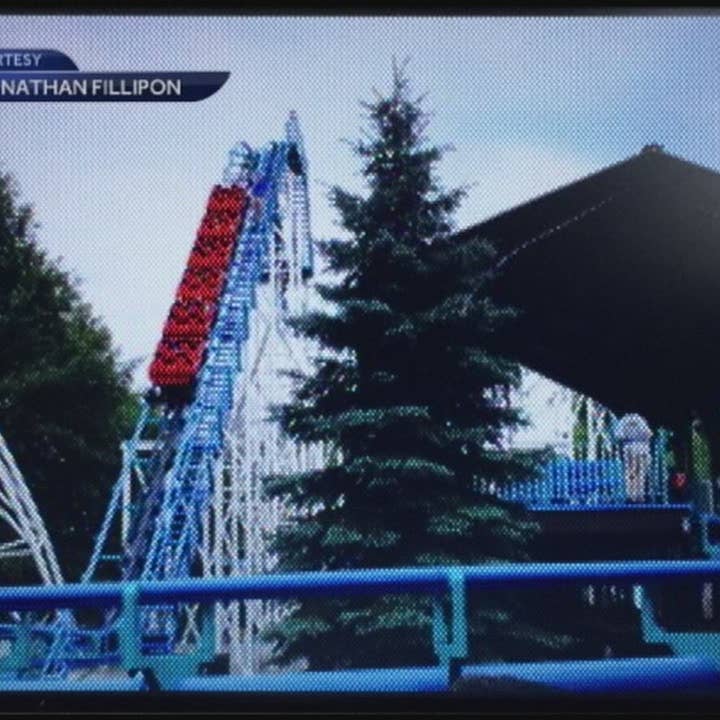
181,575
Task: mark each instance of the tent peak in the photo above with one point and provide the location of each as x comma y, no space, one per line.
652,148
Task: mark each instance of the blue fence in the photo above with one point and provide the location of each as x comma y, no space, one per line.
596,483
585,483
446,586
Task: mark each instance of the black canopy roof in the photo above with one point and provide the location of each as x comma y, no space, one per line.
617,277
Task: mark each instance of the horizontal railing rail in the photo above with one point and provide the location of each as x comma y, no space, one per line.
446,586
431,580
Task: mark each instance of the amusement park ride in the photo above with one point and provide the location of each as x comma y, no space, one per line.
187,520
188,500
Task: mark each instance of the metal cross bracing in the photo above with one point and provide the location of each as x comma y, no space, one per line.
29,535
189,500
241,520
19,513
256,449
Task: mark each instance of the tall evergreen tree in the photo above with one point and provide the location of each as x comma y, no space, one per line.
65,399
410,395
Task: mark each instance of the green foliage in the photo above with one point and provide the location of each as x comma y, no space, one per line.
410,396
65,402
583,407
701,458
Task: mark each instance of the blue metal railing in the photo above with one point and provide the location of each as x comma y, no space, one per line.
450,621
592,483
572,482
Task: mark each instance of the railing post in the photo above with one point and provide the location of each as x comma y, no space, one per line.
450,635
19,656
130,629
160,670
663,465
206,642
547,485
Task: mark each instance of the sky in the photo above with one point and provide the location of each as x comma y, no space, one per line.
527,104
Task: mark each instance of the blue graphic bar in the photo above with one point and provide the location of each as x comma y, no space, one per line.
23,60
109,87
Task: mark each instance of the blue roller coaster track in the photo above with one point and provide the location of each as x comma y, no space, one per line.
165,535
